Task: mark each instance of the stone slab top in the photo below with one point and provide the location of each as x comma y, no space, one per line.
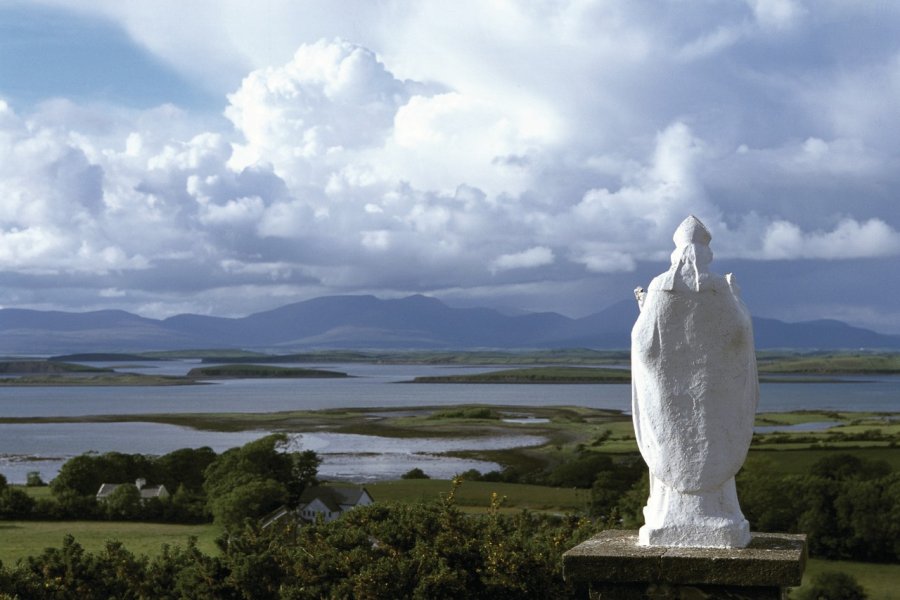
771,560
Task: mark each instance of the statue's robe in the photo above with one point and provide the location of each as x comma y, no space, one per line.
695,387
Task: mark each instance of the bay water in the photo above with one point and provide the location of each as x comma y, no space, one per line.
43,447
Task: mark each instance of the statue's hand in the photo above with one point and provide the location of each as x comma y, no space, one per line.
639,295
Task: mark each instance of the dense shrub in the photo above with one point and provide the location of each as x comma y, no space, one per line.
415,473
848,506
380,551
832,585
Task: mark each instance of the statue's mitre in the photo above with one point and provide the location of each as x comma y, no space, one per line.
691,231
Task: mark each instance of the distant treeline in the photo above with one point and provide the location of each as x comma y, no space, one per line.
241,483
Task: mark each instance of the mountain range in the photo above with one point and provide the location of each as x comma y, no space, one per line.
359,322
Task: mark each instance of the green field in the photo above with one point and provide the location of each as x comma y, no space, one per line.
838,363
477,494
27,538
881,582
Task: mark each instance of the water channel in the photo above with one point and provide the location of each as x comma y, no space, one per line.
43,447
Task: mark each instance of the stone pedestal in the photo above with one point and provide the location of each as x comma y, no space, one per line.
611,565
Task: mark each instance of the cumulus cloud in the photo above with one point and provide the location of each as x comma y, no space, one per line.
331,98
849,239
458,147
526,259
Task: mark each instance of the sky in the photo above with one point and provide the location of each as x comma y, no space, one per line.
225,157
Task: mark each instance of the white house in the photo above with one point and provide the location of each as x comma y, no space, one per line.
328,501
147,491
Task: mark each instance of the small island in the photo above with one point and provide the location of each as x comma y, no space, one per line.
244,371
536,375
44,367
19,373
53,373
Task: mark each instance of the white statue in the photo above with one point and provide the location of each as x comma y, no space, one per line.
694,397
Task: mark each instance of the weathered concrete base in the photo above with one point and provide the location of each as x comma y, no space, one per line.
710,519
612,565
665,591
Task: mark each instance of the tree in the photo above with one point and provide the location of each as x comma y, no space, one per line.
843,466
15,503
610,485
257,460
184,467
580,472
33,479
85,473
186,506
123,503
415,473
249,481
833,585
770,503
252,499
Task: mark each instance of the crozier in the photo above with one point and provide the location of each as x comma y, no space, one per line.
694,397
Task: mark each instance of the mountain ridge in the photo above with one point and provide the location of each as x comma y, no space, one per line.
365,321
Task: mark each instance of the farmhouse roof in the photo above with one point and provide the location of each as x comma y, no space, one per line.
333,496
147,491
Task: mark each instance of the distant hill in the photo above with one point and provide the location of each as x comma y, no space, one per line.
369,322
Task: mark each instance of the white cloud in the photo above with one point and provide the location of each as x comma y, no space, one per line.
425,146
233,212
330,99
777,14
849,239
713,42
610,229
537,256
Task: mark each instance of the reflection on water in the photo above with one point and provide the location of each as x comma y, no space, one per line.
44,447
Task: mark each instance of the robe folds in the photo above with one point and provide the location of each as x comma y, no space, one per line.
694,380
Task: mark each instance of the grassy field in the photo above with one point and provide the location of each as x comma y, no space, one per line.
798,462
477,494
26,538
841,363
881,582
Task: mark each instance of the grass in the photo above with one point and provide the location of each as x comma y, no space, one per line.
881,582
36,491
804,416
798,462
843,363
19,539
477,494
